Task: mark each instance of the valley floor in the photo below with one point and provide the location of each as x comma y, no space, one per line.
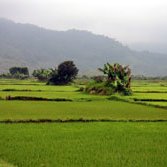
84,144
88,130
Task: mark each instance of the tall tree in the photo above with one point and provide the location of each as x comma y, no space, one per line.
66,73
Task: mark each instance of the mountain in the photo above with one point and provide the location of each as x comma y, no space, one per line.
36,47
152,47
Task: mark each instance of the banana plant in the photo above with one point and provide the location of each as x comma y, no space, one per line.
118,76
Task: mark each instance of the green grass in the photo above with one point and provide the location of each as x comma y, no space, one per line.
19,82
44,91
84,144
147,83
161,104
159,98
95,110
40,88
149,86
53,94
150,89
95,144
149,95
5,164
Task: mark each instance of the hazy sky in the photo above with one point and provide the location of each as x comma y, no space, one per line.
126,20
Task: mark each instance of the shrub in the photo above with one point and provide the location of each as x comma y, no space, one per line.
118,80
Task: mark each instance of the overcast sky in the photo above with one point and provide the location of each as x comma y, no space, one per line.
128,21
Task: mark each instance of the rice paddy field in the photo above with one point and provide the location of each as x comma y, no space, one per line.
63,127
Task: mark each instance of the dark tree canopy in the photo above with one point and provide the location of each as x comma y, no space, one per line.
66,73
19,72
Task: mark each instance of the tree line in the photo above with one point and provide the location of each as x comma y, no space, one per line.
65,73
115,78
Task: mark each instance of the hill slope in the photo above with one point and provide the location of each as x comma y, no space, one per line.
35,47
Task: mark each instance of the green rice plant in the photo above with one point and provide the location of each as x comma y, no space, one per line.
84,144
85,110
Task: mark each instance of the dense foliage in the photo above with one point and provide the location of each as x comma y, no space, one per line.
118,80
19,72
42,74
118,76
66,73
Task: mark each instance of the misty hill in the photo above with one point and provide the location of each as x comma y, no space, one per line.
35,47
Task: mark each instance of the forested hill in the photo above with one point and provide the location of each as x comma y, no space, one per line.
35,47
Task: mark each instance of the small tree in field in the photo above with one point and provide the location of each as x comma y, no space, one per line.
118,77
66,73
42,74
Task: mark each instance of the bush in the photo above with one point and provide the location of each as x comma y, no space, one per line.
42,74
118,80
98,88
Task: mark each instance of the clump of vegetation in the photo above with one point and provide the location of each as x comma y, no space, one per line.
16,73
19,72
64,74
42,74
6,75
118,80
98,88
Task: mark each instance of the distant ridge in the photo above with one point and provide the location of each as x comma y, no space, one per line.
36,47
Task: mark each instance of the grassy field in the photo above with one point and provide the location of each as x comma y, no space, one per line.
52,95
84,144
149,86
96,110
80,143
